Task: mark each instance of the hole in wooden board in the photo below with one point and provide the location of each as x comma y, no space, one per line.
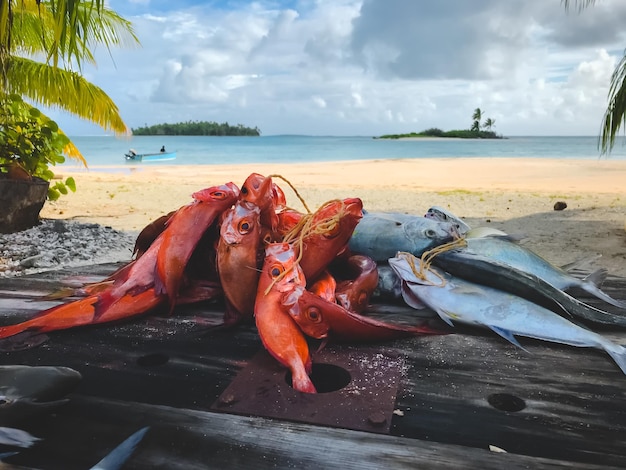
506,402
326,377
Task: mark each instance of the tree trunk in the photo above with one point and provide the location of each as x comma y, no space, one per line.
20,203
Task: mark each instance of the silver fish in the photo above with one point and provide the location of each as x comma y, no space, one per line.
29,390
486,271
506,314
519,257
443,215
389,284
381,235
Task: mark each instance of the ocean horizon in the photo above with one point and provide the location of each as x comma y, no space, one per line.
211,150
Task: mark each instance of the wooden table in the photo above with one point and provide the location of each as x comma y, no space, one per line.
451,397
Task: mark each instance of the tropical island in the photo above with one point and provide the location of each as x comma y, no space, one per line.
198,128
476,131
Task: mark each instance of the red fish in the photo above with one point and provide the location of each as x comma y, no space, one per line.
278,331
131,293
325,286
260,190
183,232
287,221
240,240
330,230
354,293
319,318
150,233
90,310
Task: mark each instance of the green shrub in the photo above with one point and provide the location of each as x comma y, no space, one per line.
33,142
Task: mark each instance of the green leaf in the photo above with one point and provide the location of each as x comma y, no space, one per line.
53,194
71,184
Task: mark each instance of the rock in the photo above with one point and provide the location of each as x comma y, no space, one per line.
559,205
30,261
56,244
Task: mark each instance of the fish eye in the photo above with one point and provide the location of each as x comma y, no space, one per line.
243,227
430,233
314,315
244,190
276,270
218,195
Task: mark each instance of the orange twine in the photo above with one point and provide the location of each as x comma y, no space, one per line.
306,228
426,260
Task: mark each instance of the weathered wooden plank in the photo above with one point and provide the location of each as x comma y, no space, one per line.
88,427
573,400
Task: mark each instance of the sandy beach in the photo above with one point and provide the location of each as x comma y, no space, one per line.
514,195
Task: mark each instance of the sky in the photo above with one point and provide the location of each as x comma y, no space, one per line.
363,67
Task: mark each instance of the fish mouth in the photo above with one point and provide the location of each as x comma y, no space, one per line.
455,232
354,205
30,390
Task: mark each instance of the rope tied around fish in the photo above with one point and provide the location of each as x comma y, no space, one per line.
306,227
426,260
293,188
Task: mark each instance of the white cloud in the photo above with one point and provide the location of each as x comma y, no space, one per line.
369,67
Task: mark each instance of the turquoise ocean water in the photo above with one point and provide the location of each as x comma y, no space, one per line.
193,150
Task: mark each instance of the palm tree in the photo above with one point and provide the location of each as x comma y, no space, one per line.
616,108
489,123
476,117
65,32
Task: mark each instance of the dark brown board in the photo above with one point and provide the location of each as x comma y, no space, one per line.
168,371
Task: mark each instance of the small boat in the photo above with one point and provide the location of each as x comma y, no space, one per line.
150,157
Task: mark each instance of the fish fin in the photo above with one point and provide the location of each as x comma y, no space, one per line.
6,455
580,263
618,353
323,344
115,459
446,316
506,334
410,297
17,437
159,284
597,277
516,237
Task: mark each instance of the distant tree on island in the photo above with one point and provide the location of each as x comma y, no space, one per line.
489,123
477,117
198,128
474,132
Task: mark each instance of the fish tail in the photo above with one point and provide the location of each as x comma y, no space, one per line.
618,353
302,382
600,294
79,312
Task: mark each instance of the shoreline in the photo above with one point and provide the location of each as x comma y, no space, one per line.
516,195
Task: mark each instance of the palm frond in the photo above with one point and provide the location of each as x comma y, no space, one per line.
34,32
580,4
616,109
54,87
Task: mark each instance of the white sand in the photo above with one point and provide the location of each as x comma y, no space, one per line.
516,195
